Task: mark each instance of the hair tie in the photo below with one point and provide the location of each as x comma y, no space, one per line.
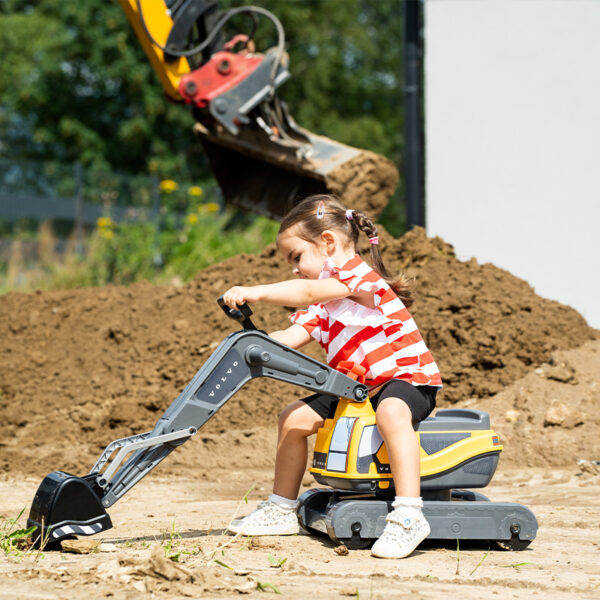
374,240
321,210
349,214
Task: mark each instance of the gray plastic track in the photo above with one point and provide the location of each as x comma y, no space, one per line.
454,519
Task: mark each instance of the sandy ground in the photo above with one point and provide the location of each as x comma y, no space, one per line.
562,562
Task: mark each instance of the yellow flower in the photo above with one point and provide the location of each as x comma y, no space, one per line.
195,190
191,219
107,234
212,207
168,186
104,222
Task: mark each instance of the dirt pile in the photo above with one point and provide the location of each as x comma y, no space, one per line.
81,368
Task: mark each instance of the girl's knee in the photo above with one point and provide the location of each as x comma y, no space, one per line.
300,418
393,410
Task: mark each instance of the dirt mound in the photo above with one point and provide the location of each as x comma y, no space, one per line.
81,368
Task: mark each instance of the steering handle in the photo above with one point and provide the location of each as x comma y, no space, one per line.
242,315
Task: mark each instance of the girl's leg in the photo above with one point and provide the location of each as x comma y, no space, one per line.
296,423
406,526
394,422
277,516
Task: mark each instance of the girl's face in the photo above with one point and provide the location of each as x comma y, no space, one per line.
306,258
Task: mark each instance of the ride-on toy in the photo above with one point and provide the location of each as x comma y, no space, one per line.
458,450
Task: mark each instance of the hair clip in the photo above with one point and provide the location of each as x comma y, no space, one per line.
321,210
349,214
374,240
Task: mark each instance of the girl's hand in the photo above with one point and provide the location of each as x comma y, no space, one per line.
237,295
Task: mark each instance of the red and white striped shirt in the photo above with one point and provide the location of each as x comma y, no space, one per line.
373,345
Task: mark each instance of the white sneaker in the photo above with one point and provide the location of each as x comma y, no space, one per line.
402,534
268,519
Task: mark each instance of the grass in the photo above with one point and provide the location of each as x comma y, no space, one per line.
480,562
277,563
16,541
266,586
173,547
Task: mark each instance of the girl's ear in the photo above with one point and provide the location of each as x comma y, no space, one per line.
329,239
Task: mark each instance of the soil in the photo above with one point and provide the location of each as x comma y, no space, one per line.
562,562
365,182
81,368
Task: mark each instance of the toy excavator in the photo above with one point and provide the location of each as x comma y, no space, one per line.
458,450
262,160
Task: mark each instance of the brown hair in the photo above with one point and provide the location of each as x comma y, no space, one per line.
332,215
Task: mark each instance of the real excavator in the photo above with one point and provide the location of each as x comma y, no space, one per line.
262,160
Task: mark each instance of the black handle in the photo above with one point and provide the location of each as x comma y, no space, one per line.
241,316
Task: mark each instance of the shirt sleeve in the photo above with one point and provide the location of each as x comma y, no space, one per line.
356,282
310,319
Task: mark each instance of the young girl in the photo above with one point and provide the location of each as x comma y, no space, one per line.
359,316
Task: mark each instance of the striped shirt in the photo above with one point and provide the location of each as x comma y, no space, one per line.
372,345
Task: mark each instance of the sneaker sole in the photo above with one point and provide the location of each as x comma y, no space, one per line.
249,531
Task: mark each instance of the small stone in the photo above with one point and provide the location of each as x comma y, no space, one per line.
180,325
510,416
341,550
562,372
247,587
107,547
80,546
562,415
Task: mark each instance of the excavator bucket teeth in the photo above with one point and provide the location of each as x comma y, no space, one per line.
268,177
65,505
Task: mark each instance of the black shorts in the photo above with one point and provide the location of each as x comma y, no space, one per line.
420,399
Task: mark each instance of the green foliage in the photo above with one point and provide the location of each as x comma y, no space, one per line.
264,586
157,251
276,563
76,85
14,539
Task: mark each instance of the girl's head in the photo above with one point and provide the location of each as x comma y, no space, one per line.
321,227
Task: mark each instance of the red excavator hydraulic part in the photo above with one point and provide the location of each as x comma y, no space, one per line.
220,74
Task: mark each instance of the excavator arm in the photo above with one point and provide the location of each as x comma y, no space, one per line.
262,160
66,505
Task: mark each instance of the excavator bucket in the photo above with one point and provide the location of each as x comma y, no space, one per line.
263,177
65,505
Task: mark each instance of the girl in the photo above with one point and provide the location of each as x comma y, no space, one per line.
359,316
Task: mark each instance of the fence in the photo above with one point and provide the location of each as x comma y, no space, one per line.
32,190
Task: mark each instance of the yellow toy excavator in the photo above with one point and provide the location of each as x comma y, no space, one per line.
262,160
459,450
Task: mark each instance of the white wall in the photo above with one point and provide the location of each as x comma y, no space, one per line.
512,101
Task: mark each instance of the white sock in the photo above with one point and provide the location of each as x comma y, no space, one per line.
286,503
411,507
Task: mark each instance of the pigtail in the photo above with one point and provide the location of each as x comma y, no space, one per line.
400,284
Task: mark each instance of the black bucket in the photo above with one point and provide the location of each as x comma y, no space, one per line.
64,506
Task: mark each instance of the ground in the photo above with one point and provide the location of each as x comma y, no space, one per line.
183,515
81,368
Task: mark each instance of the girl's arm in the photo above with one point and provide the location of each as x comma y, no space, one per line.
295,336
295,292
